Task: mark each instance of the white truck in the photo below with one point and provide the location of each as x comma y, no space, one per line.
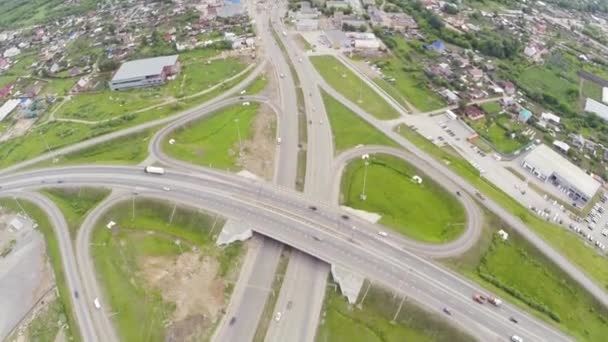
155,170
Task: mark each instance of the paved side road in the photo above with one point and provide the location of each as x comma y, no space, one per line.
68,260
572,270
135,129
474,215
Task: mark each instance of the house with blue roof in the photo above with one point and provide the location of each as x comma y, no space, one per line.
436,46
524,115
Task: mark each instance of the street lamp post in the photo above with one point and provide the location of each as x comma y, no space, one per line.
365,158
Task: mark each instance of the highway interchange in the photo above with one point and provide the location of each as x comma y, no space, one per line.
278,212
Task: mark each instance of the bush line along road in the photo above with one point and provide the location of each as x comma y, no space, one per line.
282,214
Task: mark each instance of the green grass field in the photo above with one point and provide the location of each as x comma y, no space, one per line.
565,242
352,87
45,326
59,86
491,108
592,90
213,140
497,135
257,86
131,149
61,134
373,323
52,250
141,312
516,271
348,129
410,81
75,203
106,104
425,212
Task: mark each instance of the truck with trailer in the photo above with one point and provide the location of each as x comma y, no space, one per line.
155,170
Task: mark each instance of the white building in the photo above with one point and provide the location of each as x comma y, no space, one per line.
147,72
8,107
605,95
562,146
11,52
549,166
551,118
597,108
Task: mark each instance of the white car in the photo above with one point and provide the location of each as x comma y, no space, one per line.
282,75
516,338
279,141
166,188
381,233
278,315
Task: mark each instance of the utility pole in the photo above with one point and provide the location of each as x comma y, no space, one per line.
133,208
369,284
19,204
360,90
365,158
238,132
172,213
399,309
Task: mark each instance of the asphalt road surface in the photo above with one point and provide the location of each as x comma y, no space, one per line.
285,216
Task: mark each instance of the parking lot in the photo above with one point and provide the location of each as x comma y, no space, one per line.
443,131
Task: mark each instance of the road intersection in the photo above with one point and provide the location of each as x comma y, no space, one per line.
280,213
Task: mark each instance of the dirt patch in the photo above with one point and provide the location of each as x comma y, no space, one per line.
190,281
259,150
19,128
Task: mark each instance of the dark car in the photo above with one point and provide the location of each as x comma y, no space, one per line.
313,208
232,320
447,311
458,193
76,294
345,217
513,319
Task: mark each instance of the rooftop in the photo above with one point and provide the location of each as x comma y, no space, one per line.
548,161
143,67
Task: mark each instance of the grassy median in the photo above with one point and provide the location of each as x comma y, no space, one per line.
348,129
64,307
424,212
515,270
214,140
342,322
564,241
343,80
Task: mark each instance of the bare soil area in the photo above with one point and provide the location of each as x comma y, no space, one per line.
260,149
19,128
190,281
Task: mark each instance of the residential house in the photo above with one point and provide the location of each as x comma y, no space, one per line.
524,115
474,113
550,118
436,46
509,88
476,74
561,146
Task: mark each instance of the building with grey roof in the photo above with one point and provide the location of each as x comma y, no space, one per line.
549,166
147,72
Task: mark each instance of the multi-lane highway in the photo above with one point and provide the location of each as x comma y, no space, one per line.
286,216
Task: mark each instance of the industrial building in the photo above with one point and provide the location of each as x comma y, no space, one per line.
549,166
147,72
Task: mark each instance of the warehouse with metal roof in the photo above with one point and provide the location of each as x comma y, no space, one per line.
147,72
549,166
